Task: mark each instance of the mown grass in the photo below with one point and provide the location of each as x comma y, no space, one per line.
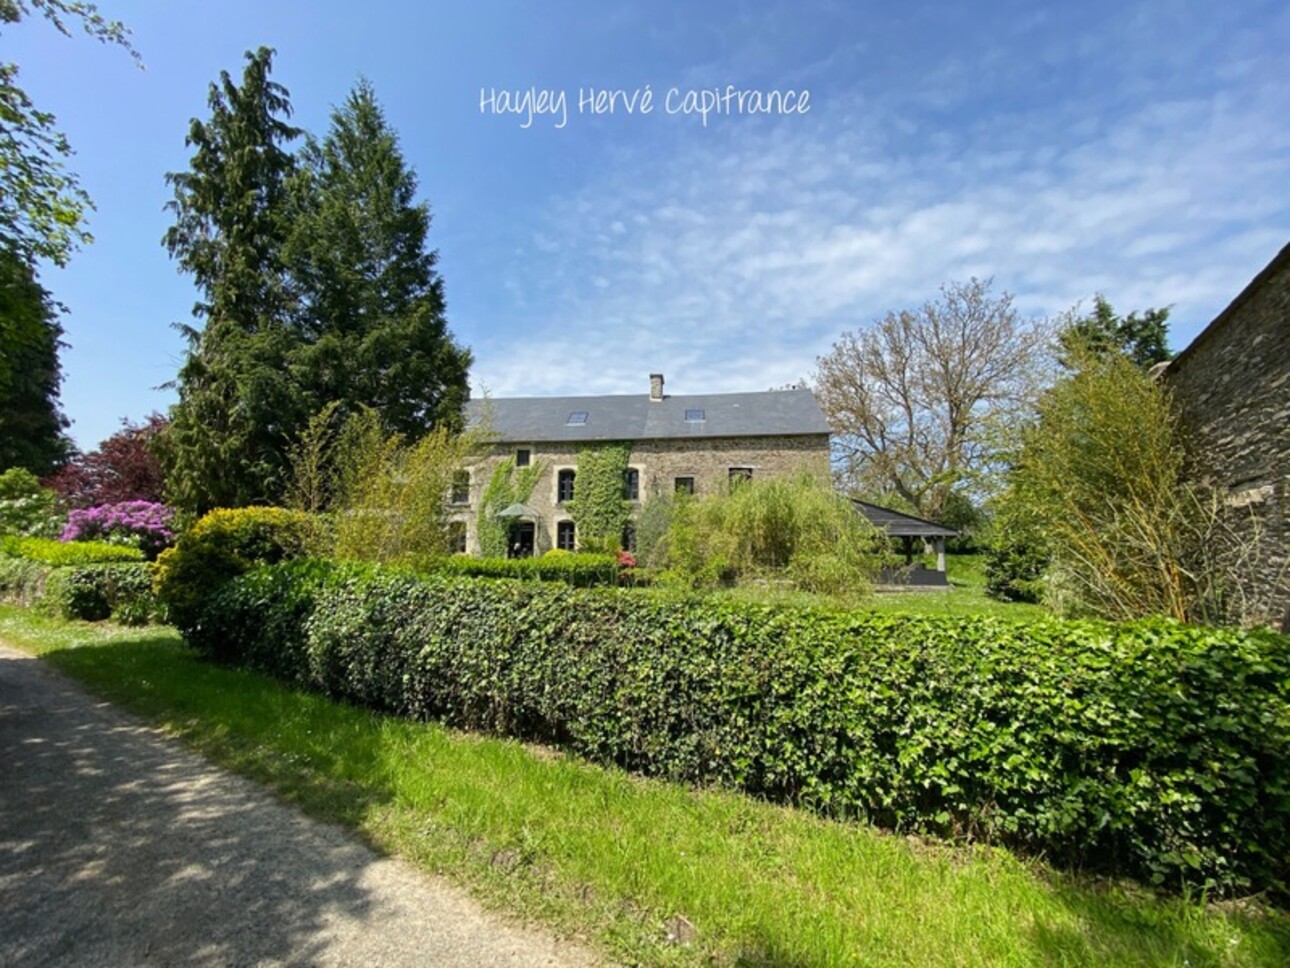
965,597
620,860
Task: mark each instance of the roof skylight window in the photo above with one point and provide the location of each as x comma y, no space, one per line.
576,418
695,416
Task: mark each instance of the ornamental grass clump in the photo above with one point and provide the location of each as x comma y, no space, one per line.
139,524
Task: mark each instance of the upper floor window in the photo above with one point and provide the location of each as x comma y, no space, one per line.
632,484
685,485
523,456
740,474
460,487
564,486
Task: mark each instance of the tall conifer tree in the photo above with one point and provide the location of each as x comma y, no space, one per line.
372,302
237,409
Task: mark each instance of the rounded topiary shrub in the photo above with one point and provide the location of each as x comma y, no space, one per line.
221,545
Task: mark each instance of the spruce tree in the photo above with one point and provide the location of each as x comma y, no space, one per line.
371,300
238,408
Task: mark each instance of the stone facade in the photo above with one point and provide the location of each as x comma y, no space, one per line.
1232,385
708,461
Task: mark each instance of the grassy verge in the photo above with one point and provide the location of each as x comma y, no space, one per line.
621,860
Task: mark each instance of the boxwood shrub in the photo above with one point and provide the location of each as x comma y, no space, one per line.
221,545
1151,748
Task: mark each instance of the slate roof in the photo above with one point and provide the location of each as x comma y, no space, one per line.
636,417
899,525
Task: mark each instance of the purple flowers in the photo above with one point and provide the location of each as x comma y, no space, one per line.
141,524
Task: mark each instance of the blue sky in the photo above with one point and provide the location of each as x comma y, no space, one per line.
1138,150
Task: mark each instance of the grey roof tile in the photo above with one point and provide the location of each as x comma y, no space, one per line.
636,417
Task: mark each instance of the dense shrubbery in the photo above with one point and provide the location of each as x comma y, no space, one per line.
579,570
1152,748
48,551
145,525
80,579
94,592
223,544
26,508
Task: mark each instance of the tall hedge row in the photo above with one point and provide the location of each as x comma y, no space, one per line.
1152,748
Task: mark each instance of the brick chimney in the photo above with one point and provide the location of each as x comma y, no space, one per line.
656,387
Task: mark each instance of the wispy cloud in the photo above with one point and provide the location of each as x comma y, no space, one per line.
735,259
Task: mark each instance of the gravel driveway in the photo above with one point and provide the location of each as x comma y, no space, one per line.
120,847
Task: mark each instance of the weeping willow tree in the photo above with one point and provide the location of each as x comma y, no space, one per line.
794,529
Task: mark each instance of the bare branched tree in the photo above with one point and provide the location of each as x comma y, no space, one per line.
916,398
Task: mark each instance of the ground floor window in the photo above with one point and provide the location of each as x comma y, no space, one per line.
685,485
565,538
457,537
629,536
740,474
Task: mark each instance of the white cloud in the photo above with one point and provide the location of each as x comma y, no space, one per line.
732,263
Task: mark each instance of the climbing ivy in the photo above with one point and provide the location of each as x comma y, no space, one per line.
508,485
598,509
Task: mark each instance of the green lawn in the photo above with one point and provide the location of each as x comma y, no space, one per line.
616,859
965,596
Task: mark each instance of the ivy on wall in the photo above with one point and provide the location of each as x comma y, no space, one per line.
508,485
598,509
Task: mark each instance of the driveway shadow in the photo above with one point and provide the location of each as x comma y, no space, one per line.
118,846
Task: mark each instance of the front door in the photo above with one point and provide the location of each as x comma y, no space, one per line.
519,544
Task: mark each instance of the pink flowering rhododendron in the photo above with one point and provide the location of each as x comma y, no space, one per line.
141,524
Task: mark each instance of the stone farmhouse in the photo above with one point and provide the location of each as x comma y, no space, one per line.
694,443
1232,385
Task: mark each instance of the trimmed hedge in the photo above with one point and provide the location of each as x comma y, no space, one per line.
578,569
49,551
1151,748
94,592
88,580
21,581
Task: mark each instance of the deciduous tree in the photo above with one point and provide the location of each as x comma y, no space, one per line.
42,204
124,467
913,397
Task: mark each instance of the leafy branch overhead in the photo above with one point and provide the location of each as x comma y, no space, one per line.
42,205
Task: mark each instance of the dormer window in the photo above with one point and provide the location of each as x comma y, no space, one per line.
577,418
695,416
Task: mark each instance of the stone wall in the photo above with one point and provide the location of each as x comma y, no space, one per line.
1233,388
660,463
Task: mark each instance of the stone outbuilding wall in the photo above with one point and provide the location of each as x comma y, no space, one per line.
659,463
1232,385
